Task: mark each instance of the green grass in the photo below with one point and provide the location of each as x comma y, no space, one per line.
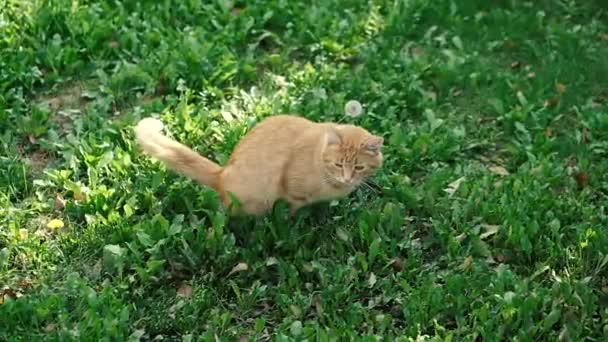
488,221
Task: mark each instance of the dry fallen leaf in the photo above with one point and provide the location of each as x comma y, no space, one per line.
499,170
564,335
501,257
50,327
397,264
560,88
261,309
417,52
240,267
25,283
161,87
7,293
271,261
584,135
467,263
307,267
489,230
371,281
453,187
551,103
570,162
59,202
318,305
509,44
582,179
342,234
461,237
535,171
185,291
521,98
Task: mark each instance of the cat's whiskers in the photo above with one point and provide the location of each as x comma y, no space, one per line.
369,186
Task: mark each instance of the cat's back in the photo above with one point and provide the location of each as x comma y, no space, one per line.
283,123
273,136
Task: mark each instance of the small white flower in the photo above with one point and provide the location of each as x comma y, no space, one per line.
353,108
254,91
281,81
181,85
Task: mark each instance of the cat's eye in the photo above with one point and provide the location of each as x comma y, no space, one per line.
338,164
359,167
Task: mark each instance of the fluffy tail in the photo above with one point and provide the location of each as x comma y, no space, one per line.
176,156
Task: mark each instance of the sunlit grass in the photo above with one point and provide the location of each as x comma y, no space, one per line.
486,221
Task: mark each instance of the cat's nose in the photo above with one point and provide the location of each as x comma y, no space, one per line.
347,177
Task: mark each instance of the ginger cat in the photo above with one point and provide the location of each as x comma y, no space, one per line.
283,157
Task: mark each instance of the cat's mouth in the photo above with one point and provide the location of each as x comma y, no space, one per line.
340,183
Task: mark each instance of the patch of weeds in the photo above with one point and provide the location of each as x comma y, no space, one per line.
486,221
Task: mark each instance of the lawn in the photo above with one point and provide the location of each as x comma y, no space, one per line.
487,222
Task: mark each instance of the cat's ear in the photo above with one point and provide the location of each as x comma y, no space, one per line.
373,144
332,138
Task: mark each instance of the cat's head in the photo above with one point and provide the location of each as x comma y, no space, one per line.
350,155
